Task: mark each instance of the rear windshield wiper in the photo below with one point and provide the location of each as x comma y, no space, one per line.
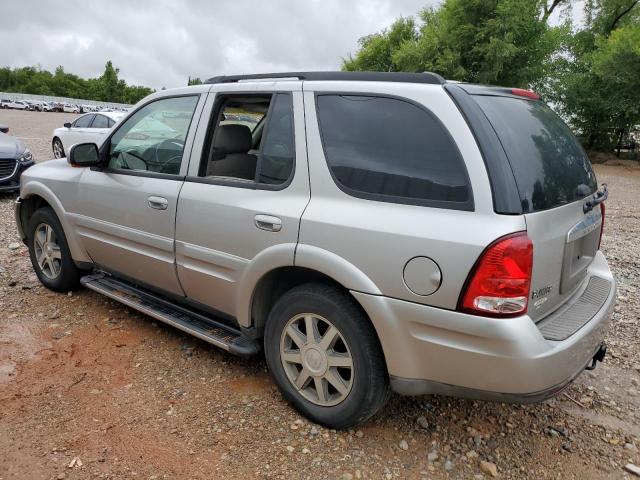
596,199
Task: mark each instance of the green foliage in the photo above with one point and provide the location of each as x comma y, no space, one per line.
505,42
596,82
590,74
194,81
106,88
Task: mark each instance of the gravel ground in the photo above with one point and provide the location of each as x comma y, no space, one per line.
91,389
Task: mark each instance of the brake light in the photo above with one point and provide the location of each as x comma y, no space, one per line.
521,92
499,282
602,211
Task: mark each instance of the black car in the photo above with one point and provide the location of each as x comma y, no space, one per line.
14,159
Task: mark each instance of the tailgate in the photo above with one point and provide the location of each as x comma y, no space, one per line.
565,241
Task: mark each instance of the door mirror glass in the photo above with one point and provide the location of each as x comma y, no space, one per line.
67,125
84,155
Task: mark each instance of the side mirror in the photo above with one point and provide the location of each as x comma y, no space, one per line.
67,125
84,155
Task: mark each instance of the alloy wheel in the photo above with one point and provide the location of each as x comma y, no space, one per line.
316,359
47,251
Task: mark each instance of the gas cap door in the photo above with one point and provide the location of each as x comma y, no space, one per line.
422,276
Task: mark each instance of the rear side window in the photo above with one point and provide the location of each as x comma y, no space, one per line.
83,122
391,150
100,122
549,165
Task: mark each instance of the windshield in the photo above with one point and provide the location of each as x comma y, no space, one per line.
548,162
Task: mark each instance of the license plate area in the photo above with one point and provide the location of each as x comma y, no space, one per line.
580,248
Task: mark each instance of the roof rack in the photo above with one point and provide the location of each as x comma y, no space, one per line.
404,77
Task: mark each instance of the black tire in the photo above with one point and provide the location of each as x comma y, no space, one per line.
58,143
69,275
370,386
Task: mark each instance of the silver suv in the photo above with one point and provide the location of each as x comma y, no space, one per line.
372,231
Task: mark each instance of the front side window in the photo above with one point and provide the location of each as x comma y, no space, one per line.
83,122
391,150
152,139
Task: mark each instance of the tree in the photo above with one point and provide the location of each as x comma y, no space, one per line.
596,79
506,42
194,81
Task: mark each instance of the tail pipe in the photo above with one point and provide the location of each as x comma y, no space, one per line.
598,357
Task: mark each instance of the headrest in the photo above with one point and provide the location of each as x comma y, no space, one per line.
232,138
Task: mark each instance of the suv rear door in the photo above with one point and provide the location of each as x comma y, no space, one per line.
554,179
227,219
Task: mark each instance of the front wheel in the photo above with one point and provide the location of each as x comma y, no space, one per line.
58,148
49,252
325,356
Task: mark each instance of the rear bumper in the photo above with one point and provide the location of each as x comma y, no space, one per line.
430,350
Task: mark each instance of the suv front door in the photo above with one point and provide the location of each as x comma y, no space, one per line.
125,213
228,217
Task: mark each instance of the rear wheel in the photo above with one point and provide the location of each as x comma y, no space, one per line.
325,356
49,252
58,149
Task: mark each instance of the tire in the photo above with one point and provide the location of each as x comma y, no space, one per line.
58,148
58,272
364,386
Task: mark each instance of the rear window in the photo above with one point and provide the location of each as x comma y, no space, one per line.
391,150
548,162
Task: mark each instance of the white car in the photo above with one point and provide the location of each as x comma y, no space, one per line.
91,127
19,105
68,108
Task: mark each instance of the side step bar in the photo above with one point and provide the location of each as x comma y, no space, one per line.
205,328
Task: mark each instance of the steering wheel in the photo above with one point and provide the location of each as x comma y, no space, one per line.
165,148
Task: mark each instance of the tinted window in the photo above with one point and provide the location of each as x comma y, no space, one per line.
276,160
152,139
100,122
111,123
83,122
549,165
391,150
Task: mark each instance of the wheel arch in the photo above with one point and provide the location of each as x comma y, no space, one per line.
311,264
35,195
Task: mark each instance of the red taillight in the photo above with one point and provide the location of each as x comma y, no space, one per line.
499,283
521,92
602,211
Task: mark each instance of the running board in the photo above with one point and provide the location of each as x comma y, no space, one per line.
205,328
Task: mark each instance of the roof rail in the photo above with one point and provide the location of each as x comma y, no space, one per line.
405,77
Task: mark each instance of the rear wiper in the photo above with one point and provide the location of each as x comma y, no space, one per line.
596,199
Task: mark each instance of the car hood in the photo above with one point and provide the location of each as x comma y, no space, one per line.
10,147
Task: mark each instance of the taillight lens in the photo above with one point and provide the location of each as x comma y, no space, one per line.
499,283
602,211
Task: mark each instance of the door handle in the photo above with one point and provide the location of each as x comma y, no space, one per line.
159,203
268,223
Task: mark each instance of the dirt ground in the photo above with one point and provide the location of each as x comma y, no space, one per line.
91,389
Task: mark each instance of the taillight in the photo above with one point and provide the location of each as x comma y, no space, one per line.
499,283
602,211
521,92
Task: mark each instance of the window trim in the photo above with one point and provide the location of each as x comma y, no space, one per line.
221,97
104,148
467,206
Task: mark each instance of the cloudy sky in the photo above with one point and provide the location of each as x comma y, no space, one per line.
161,42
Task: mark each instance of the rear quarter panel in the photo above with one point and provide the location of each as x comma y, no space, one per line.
378,238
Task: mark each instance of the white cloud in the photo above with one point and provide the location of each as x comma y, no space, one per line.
162,42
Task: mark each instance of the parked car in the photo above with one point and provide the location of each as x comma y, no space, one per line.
4,103
19,105
91,127
57,106
15,158
372,231
68,108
